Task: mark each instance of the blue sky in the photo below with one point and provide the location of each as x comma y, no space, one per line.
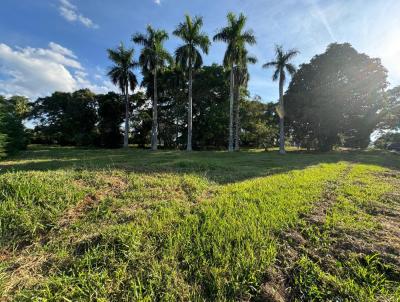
48,45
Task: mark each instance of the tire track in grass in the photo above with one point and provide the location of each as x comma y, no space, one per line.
293,242
347,248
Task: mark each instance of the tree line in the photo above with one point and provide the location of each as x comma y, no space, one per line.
337,99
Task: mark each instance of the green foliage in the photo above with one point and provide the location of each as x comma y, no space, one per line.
81,118
259,124
236,37
390,115
330,97
66,118
210,108
153,56
110,115
12,131
386,139
121,74
188,55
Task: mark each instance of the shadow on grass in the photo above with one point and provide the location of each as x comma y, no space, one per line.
221,167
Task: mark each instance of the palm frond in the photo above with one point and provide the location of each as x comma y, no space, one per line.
290,68
248,37
290,54
270,64
275,76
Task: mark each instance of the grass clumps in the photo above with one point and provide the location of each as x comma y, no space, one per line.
31,203
362,278
193,233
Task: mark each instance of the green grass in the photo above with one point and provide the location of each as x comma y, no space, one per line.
134,225
351,274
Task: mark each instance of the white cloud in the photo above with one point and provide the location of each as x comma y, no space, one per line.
36,72
158,2
70,13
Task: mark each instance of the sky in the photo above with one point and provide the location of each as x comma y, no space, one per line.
48,45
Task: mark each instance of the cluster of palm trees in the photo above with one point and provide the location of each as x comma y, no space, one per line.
154,58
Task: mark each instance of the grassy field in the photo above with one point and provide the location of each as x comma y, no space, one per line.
134,225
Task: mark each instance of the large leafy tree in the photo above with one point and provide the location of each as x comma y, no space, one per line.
236,37
336,99
282,66
188,57
121,74
153,58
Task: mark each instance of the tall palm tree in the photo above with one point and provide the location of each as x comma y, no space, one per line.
241,78
236,37
282,65
121,74
188,57
153,58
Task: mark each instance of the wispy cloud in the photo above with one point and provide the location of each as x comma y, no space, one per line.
320,15
70,13
158,2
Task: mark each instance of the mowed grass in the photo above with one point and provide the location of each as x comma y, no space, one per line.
135,225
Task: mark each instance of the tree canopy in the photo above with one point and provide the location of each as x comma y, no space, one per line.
336,99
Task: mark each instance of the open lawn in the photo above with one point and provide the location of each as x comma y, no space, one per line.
135,225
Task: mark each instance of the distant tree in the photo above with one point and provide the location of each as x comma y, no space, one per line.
236,38
339,94
390,115
259,123
188,57
386,139
282,64
66,118
121,74
241,78
12,131
211,109
153,58
173,108
110,110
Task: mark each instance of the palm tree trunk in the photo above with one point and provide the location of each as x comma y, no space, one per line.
282,118
237,117
230,147
154,128
190,110
126,134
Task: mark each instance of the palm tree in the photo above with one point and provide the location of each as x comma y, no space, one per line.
121,74
281,65
236,37
241,78
189,57
153,58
